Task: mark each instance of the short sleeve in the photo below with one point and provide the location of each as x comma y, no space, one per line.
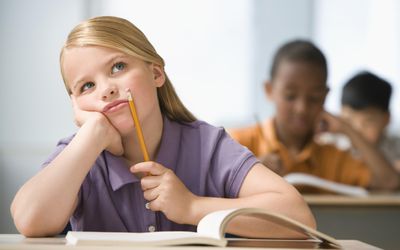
390,147
231,163
59,148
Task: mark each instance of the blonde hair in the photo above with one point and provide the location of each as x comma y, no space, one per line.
120,34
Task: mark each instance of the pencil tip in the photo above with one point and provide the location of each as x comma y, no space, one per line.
128,93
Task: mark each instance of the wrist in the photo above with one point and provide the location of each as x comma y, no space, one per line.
195,214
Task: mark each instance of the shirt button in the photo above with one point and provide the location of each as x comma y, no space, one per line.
151,228
147,205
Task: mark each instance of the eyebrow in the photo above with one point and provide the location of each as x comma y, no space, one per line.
107,62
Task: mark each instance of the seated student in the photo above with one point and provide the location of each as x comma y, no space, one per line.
365,105
286,143
97,178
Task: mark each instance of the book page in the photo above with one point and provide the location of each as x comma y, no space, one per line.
314,181
211,225
163,238
215,223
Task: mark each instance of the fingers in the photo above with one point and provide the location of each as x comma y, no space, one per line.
150,167
150,182
151,194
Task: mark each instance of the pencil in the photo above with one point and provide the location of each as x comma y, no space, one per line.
139,132
137,125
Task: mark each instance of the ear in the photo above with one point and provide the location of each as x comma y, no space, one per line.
326,92
386,119
268,89
158,75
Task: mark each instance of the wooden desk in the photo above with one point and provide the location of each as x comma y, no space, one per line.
17,242
374,219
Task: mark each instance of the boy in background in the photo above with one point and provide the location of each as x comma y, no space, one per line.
285,143
365,105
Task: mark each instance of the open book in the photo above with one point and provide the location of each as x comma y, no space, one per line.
210,231
307,180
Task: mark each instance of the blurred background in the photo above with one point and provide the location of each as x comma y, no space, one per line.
217,54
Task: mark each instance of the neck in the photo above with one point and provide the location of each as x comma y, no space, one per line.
152,128
294,143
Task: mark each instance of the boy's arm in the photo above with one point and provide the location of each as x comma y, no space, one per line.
383,174
44,204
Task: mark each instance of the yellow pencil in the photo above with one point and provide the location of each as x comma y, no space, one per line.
137,125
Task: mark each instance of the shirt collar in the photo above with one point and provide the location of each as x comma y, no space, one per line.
170,144
119,174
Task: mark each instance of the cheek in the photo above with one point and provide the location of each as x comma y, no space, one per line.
372,134
283,106
316,110
85,103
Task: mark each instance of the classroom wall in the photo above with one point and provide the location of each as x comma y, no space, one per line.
365,37
34,107
218,49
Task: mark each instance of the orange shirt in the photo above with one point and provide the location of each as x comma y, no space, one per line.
325,161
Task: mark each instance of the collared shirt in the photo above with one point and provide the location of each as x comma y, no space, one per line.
325,161
205,159
390,146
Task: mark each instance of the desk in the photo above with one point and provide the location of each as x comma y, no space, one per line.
17,242
374,219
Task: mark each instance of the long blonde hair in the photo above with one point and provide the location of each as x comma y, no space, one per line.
120,34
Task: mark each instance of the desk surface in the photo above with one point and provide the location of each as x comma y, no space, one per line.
375,199
17,241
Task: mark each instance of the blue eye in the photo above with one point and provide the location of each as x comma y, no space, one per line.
117,67
87,86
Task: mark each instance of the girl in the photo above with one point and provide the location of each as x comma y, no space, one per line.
96,178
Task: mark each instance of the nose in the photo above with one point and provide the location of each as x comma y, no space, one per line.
109,92
301,106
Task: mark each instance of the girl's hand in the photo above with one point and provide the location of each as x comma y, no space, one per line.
112,139
165,191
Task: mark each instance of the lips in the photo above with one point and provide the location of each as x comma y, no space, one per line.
115,105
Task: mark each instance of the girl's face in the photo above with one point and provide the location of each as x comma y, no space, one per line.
98,78
298,91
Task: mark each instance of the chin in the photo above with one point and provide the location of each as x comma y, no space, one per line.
124,126
301,131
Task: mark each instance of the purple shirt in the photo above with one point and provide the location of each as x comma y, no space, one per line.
205,158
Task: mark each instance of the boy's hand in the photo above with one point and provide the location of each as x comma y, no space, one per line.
273,162
330,123
112,138
165,191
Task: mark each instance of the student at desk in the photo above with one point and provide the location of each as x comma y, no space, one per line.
97,178
286,143
365,105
